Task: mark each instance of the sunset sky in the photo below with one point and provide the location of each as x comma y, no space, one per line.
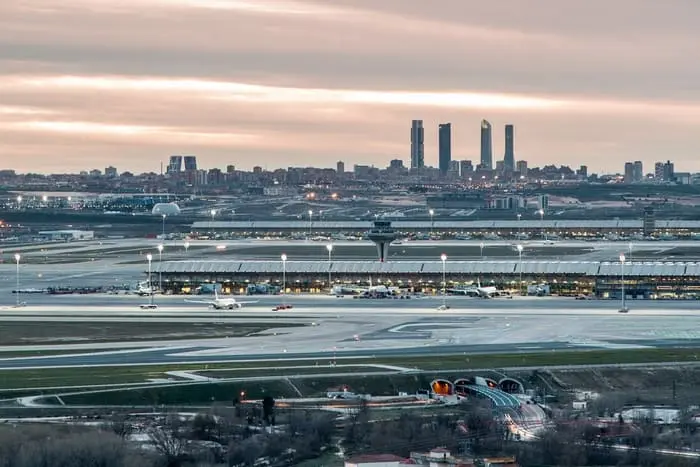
89,83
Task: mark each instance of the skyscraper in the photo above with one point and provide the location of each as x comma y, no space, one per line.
486,146
509,156
444,147
190,163
638,171
175,165
417,154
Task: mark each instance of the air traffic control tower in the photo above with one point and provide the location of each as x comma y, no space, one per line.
382,235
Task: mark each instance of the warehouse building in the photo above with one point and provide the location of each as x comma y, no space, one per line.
650,280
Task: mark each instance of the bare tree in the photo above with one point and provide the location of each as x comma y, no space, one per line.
169,440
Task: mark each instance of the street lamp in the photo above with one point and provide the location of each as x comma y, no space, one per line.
212,213
19,201
629,247
519,216
622,281
187,247
544,233
329,247
443,257
520,267
311,218
481,249
160,267
17,258
163,215
284,278
432,225
149,257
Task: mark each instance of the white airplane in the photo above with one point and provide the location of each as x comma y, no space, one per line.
222,303
489,291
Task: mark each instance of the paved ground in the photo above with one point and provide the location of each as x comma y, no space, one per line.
378,330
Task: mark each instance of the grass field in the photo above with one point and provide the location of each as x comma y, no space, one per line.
65,332
288,382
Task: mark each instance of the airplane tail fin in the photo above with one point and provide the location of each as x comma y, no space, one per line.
478,282
216,293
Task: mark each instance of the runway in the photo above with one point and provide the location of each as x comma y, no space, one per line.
348,328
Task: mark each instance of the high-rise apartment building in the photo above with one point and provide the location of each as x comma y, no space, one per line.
486,146
629,172
521,168
509,156
444,147
659,171
417,153
340,167
174,165
638,171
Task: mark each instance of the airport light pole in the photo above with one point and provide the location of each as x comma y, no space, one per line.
520,267
17,258
19,201
284,278
149,257
432,224
329,247
519,216
187,247
311,219
163,226
544,233
160,267
622,278
629,247
481,249
212,213
443,257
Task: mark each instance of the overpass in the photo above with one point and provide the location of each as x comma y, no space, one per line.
498,398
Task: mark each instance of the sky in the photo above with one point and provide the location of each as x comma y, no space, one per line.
89,83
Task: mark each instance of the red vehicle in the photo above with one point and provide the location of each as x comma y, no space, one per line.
282,307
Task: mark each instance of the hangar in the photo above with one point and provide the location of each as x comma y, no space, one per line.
568,278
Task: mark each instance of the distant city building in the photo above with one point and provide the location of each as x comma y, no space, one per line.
340,167
682,178
509,156
444,147
396,164
465,168
486,146
521,168
454,168
543,202
582,172
638,171
175,165
257,170
500,166
669,172
230,169
417,149
629,172
111,172
659,171
95,173
190,163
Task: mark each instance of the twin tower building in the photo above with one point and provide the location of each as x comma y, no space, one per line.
445,147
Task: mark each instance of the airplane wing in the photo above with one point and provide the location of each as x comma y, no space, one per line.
205,302
248,302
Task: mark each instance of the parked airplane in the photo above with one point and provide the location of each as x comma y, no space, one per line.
489,291
222,303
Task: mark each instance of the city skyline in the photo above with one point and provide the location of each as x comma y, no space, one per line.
308,83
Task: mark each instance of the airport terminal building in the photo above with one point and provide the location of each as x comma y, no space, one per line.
649,280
